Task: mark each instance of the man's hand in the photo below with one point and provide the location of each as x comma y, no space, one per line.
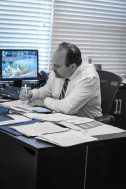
37,103
25,96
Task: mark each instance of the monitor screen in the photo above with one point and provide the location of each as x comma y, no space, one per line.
19,64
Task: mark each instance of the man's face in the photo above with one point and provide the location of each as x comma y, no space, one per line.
59,67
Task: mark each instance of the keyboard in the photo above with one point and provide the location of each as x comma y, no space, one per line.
10,92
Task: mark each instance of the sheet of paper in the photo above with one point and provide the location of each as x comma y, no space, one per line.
68,138
82,126
4,123
19,118
103,130
56,117
39,128
16,119
4,100
71,125
20,106
90,125
79,120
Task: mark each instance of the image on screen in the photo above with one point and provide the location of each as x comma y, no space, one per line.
19,64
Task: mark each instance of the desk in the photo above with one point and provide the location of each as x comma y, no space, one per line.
30,164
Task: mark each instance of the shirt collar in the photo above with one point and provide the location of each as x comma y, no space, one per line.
76,72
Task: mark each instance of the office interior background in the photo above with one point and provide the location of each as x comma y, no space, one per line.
97,27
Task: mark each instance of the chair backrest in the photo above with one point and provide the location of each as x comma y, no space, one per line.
110,84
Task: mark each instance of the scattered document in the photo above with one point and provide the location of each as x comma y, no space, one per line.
20,106
68,138
19,118
82,126
4,100
16,119
103,130
23,106
70,125
93,128
38,128
79,120
54,117
8,122
90,125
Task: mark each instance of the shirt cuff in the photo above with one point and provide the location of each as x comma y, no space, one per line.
35,94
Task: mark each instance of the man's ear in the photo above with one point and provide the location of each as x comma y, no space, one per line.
73,66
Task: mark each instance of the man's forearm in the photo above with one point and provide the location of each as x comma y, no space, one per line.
40,93
62,106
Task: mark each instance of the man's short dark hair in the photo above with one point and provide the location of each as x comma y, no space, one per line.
73,53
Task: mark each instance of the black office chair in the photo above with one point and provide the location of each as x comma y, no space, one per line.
110,84
43,77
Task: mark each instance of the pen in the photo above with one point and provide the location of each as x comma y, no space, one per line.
26,90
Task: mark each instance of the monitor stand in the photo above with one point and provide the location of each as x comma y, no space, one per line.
17,83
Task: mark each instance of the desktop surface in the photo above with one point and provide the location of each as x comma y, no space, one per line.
37,165
40,145
32,164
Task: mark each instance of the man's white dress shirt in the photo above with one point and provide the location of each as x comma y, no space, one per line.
82,96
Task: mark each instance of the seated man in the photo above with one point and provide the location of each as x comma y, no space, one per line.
73,87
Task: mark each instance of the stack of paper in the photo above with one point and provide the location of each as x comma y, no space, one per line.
68,138
39,128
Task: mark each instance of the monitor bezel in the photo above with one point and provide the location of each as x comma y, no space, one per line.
21,79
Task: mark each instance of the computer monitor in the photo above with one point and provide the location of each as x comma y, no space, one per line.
18,64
